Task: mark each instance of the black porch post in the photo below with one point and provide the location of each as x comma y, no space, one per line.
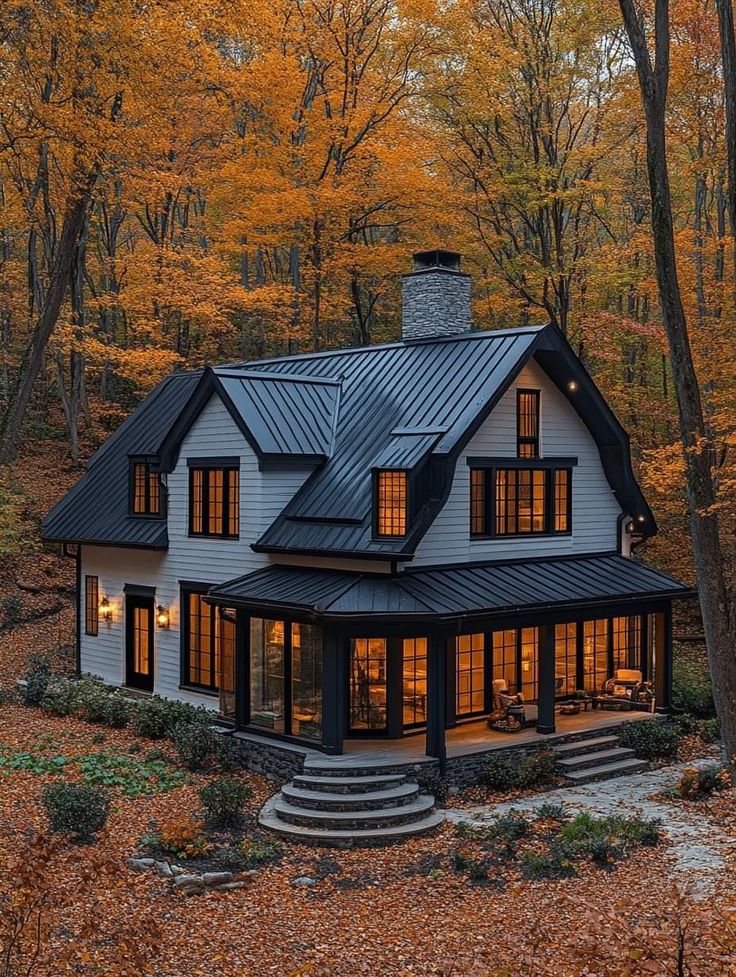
663,661
437,696
333,691
242,677
546,720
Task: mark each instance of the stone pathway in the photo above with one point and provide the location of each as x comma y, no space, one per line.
695,843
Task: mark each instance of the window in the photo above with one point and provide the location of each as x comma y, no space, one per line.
523,501
368,684
414,689
145,489
391,503
208,645
214,501
566,645
504,658
306,681
515,659
595,654
627,642
527,423
91,605
470,674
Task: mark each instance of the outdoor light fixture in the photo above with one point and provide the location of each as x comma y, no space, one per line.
106,609
629,527
572,386
640,518
163,619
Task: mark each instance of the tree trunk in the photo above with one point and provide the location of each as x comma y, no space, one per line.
15,413
715,600
728,60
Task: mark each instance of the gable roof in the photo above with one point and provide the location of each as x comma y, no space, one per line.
345,413
488,589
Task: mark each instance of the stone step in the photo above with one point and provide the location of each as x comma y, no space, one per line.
348,785
579,747
360,768
606,771
596,759
420,807
350,838
317,800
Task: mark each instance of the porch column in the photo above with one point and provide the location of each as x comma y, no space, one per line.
436,696
333,691
546,702
663,661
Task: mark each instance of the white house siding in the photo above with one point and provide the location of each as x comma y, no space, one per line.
262,496
594,509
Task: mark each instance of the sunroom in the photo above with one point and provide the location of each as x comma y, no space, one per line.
330,658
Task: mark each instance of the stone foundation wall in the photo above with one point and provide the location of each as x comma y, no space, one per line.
274,761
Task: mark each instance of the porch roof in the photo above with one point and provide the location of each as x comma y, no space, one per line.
485,589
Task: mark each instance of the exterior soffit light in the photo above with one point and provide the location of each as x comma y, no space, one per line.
572,386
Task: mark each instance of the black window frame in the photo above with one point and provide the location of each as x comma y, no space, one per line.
377,473
160,513
186,591
485,478
91,608
531,441
205,466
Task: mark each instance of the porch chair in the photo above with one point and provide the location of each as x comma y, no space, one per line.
624,683
510,713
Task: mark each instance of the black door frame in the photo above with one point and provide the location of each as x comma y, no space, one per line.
145,598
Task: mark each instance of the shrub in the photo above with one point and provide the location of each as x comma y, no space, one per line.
12,609
537,769
475,868
551,865
157,718
686,724
650,740
257,852
37,680
223,801
710,730
498,774
552,811
183,837
509,828
197,746
437,786
230,858
75,809
691,689
58,697
603,851
696,784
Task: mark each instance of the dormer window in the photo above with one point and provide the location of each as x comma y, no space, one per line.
214,498
527,423
391,493
145,489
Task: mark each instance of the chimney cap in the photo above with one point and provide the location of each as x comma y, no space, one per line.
446,260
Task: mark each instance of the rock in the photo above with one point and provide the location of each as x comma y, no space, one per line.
192,890
141,864
29,586
164,870
177,870
183,880
217,878
230,886
304,880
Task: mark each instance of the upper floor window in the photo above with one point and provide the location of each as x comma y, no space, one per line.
214,499
392,496
527,423
145,489
520,501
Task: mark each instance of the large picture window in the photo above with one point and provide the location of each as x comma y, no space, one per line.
414,681
392,493
470,674
208,638
595,654
566,646
306,681
214,501
515,659
627,642
520,501
527,423
145,489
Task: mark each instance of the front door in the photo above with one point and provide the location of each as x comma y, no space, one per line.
139,642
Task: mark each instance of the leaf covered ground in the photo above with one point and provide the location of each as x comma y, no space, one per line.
394,911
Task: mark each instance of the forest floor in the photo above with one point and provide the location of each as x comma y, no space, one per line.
400,911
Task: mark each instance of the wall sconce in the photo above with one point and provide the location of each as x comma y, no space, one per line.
106,610
572,386
629,527
163,618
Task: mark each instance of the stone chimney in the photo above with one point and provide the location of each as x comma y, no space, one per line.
435,297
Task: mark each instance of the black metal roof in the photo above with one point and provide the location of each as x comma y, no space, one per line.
410,405
454,591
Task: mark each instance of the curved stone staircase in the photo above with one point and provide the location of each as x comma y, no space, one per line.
344,806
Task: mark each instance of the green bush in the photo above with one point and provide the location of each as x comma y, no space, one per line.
509,827
650,740
550,865
710,730
37,680
552,811
198,746
224,800
692,691
230,858
537,769
157,718
603,851
696,784
12,610
75,809
257,853
436,785
498,774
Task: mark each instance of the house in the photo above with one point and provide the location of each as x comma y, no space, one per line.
354,545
